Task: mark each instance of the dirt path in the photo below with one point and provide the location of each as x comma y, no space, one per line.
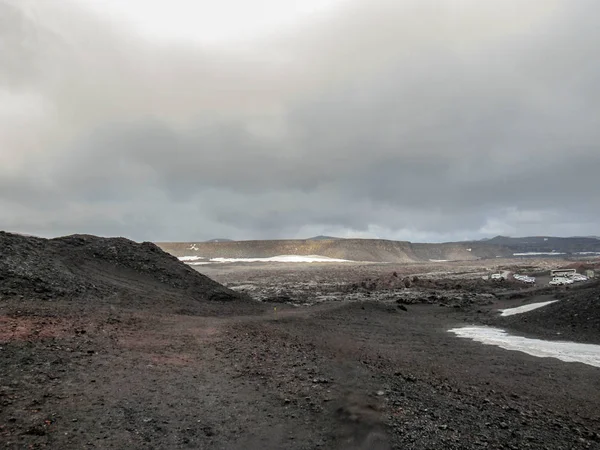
358,376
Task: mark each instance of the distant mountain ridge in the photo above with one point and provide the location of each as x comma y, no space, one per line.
372,250
546,244
381,250
323,238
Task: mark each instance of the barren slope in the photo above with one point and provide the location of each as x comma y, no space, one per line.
576,316
101,270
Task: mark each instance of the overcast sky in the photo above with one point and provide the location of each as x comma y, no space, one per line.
403,119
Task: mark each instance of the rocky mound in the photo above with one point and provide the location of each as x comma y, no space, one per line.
575,317
90,267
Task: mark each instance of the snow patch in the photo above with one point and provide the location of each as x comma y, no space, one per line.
283,259
538,254
525,308
564,351
190,258
201,260
243,287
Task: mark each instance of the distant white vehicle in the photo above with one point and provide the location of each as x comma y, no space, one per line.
560,281
578,277
524,278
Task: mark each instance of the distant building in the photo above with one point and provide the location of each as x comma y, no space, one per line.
565,273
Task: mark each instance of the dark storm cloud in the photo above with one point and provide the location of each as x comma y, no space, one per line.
410,120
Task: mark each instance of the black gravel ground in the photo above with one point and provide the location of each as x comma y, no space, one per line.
105,343
575,317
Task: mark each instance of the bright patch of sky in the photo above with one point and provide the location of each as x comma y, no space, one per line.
208,21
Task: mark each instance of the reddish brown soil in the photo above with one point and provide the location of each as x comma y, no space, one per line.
334,376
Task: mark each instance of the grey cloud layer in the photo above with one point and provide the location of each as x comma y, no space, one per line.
411,120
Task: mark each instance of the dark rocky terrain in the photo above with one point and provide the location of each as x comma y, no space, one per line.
101,270
575,317
111,344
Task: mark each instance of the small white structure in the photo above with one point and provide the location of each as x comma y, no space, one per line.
578,277
560,281
563,273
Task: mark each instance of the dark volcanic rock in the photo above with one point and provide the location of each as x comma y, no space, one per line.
413,290
94,267
576,316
